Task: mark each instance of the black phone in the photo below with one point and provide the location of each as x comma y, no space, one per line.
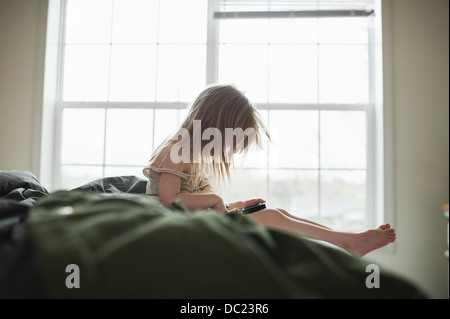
254,208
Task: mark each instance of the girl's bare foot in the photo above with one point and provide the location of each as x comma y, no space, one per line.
369,240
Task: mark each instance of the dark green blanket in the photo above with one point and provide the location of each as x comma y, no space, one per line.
129,246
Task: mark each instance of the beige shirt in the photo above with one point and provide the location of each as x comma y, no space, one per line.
189,184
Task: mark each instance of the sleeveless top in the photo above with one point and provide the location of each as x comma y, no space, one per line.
189,184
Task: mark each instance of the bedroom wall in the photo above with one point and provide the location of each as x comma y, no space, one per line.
420,77
420,115
18,46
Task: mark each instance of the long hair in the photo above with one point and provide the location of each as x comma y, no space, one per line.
222,110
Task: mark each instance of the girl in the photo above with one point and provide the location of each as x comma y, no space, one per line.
183,167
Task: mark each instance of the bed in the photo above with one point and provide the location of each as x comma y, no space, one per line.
122,244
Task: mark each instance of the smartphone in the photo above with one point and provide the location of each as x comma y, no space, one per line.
254,208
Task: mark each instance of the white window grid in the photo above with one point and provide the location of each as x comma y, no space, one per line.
212,58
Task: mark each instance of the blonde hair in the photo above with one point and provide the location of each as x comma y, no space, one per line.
221,107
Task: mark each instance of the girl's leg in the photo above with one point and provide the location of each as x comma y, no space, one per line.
300,219
357,243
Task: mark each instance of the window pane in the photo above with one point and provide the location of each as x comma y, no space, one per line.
82,136
182,21
244,31
86,73
245,184
166,123
293,31
73,176
128,136
295,142
295,191
135,21
344,31
256,157
133,73
181,72
155,51
181,116
343,199
124,171
293,73
343,74
246,67
343,139
88,21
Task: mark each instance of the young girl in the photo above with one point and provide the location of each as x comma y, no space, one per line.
184,166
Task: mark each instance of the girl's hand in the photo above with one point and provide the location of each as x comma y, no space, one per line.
252,202
247,203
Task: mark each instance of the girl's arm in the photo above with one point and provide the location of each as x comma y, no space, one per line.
170,190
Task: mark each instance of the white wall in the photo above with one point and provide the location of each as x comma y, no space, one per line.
18,65
420,73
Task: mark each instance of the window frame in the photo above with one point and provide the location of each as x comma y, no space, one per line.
373,213
380,182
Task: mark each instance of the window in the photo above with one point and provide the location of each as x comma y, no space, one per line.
128,70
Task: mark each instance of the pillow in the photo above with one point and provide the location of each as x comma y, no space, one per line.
22,186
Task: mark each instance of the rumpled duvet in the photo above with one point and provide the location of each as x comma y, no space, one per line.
126,245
